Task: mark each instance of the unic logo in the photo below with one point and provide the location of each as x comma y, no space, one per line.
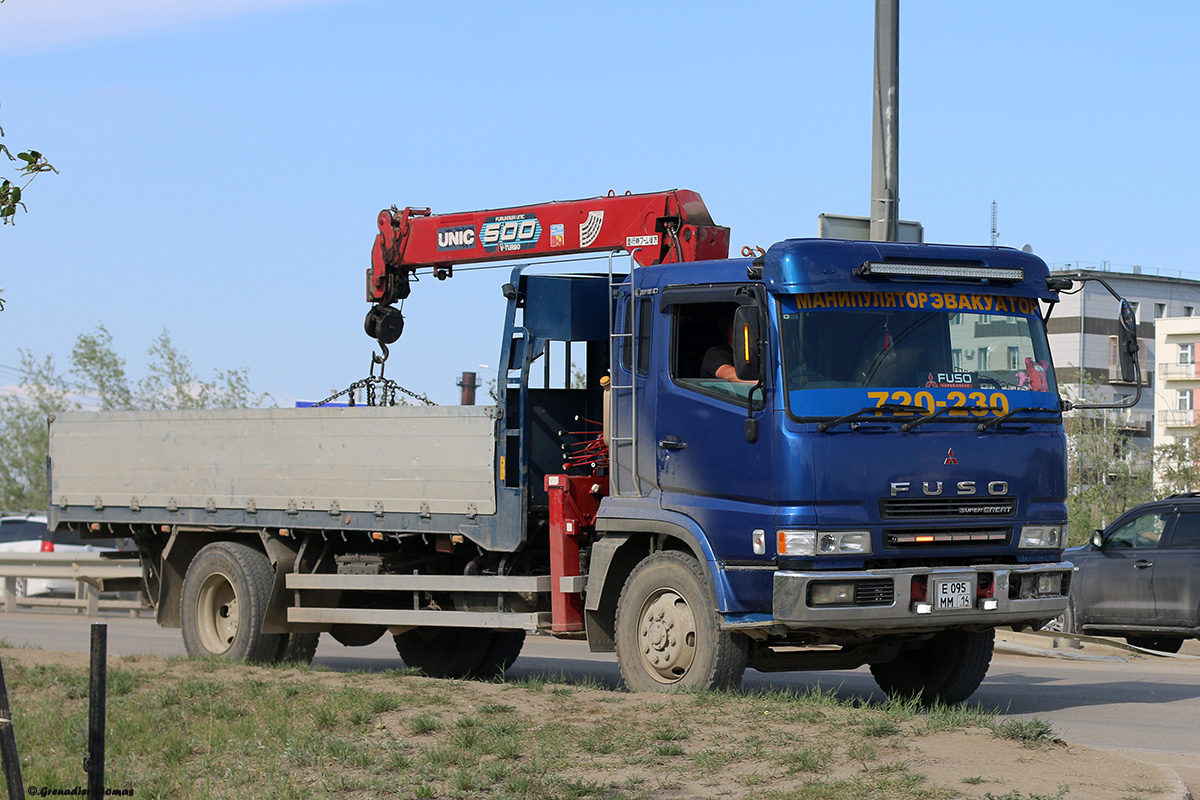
459,237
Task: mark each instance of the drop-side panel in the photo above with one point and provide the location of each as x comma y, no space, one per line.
363,459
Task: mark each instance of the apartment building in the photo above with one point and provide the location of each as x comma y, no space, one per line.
1177,340
1083,338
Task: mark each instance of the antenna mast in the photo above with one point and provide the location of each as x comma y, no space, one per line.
993,223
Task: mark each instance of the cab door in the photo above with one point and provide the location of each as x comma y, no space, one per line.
705,466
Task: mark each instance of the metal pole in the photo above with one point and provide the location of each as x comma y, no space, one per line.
93,762
8,746
885,135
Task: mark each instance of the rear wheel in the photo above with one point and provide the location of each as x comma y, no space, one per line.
668,632
500,654
1163,644
225,595
21,587
445,652
297,648
945,669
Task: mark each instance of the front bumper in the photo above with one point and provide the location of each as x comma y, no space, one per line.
791,604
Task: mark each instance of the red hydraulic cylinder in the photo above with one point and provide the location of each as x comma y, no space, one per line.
574,501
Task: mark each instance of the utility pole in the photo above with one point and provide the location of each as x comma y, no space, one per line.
885,138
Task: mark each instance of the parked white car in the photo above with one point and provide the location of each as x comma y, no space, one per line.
27,533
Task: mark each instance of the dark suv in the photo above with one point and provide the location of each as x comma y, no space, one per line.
1140,577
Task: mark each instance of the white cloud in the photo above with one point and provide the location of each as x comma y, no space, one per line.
27,25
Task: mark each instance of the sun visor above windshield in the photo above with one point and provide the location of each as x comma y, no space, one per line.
798,266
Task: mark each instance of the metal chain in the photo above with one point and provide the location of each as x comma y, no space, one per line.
387,391
387,386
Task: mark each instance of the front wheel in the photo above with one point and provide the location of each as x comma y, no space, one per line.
668,632
1066,622
225,595
945,669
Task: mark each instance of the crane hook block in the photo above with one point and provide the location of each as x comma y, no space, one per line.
384,324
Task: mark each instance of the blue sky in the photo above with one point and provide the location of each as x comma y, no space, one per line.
222,164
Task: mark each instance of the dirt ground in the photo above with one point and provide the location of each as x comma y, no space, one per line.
970,762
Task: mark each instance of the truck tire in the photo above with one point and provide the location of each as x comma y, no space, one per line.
297,648
668,632
1161,643
225,594
500,655
945,669
441,652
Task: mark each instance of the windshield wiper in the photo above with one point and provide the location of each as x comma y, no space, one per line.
893,407
995,422
908,426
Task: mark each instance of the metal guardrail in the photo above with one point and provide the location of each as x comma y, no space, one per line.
89,571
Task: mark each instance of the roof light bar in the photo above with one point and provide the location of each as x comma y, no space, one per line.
962,271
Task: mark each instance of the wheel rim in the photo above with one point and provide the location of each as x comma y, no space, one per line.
217,613
667,636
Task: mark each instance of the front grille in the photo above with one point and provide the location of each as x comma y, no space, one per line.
947,507
911,539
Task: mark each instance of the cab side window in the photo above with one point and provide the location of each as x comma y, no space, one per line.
1139,533
700,345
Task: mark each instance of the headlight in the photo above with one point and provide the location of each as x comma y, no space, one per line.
1042,536
824,543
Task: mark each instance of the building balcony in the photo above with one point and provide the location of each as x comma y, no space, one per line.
1177,419
1177,372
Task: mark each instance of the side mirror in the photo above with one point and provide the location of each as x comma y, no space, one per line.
1097,539
747,354
1127,347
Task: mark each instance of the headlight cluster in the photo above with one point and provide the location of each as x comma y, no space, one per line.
1045,537
824,543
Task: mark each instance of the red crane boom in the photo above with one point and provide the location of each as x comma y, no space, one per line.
658,227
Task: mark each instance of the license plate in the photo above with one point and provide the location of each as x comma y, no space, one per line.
953,593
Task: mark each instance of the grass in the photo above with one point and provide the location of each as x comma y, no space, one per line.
210,729
1029,732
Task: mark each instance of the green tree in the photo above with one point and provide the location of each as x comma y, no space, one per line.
99,379
1175,469
1108,473
25,435
30,163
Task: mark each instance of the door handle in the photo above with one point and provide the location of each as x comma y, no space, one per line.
672,443
1142,563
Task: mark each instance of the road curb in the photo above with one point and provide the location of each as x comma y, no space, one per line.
1075,647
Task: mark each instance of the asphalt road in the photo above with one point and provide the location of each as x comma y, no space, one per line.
1147,707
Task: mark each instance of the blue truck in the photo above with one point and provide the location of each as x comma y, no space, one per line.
824,455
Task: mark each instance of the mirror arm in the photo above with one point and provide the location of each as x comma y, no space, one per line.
1067,405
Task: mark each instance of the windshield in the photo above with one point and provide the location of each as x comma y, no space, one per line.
983,353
